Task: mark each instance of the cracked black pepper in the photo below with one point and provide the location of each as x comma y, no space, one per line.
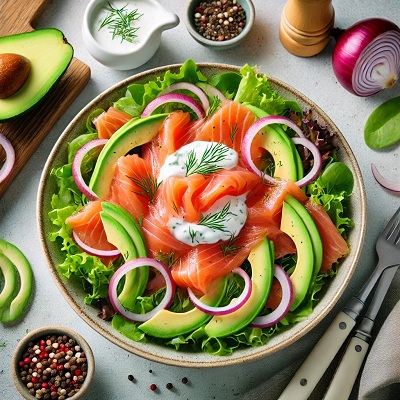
219,20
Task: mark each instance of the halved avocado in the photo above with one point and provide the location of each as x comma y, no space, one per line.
49,54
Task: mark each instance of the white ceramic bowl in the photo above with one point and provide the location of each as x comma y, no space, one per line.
73,291
113,53
247,6
41,333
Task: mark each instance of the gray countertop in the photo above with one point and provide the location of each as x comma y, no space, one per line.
312,76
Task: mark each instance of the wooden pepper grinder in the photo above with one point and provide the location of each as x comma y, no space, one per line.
306,25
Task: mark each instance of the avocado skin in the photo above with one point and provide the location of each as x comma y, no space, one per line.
168,324
296,229
134,133
262,264
13,310
49,54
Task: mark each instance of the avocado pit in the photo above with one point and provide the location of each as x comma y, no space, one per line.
14,72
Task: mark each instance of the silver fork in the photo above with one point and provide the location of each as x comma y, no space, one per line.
311,371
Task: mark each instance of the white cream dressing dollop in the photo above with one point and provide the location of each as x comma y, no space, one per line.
232,210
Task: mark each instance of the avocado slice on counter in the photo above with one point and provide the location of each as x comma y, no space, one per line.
14,305
293,225
49,55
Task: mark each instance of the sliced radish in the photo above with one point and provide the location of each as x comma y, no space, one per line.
123,270
234,305
9,162
174,98
92,251
76,167
287,296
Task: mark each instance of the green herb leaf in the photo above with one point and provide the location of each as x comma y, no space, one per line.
382,126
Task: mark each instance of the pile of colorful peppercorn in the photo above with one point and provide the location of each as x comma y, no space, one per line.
53,368
219,20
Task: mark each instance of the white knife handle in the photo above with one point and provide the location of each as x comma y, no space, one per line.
312,369
347,372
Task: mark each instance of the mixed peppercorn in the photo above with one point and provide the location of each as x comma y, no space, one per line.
53,368
219,20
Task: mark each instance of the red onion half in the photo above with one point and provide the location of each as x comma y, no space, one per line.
234,305
384,182
174,98
366,58
9,162
129,266
76,167
287,296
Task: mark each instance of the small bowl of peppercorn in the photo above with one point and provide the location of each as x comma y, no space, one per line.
52,363
219,24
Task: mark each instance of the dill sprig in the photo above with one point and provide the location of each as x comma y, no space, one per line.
119,22
230,247
214,105
218,220
208,163
233,131
147,184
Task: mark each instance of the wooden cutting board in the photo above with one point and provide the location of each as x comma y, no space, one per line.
28,131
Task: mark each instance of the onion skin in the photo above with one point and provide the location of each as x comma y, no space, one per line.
350,47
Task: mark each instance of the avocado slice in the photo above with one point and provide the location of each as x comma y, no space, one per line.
312,230
293,225
124,233
49,55
10,280
13,310
261,259
288,163
134,133
167,324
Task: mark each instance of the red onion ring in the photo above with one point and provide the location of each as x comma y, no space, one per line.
233,305
92,251
252,132
366,58
130,265
384,182
317,165
174,98
191,87
276,315
9,162
212,91
76,167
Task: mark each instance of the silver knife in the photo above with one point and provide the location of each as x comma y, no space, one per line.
352,360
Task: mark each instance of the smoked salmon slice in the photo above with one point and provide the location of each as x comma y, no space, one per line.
87,224
333,243
110,121
133,185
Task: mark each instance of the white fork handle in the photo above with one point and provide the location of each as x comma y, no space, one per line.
347,372
310,372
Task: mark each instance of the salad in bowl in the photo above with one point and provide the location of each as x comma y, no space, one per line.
204,210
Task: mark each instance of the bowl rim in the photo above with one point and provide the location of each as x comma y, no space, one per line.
250,17
246,355
41,332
